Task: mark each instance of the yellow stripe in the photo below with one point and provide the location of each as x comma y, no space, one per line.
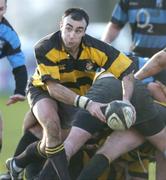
55,55
54,152
152,171
53,71
96,55
74,75
121,63
161,103
39,151
54,148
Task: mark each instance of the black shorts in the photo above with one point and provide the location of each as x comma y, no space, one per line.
105,90
66,112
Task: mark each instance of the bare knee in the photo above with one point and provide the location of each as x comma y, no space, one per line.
75,140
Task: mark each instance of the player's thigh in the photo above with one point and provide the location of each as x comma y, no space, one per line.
29,121
159,140
44,108
120,142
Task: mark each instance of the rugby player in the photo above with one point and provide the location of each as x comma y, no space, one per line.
139,62
10,47
147,23
119,142
67,61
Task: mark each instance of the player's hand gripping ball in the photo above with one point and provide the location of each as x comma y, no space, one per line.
119,115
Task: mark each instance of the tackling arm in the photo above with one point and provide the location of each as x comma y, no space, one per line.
153,66
65,95
111,32
128,86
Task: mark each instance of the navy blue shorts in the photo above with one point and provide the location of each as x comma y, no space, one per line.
66,112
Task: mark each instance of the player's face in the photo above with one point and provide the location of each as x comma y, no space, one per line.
2,8
72,32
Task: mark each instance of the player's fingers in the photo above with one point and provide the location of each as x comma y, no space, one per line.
100,115
10,101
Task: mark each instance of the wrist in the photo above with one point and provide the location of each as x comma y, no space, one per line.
81,101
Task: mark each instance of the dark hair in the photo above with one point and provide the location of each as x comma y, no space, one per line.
77,14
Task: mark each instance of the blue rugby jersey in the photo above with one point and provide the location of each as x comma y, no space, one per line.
10,48
10,45
148,24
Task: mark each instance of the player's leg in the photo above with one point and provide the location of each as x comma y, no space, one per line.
160,166
118,143
45,110
144,107
154,129
29,136
84,126
112,147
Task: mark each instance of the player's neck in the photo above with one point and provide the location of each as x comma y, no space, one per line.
73,51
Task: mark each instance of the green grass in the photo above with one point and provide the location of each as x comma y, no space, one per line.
12,121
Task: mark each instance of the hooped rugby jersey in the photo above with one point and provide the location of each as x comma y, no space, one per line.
148,24
10,45
53,62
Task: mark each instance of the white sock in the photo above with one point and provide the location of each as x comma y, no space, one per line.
16,168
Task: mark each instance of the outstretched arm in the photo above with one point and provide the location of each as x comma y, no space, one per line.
153,66
111,32
128,86
65,95
127,90
20,76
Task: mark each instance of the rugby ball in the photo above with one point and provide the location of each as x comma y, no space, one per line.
119,115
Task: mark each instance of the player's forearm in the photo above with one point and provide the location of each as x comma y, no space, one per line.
65,95
127,87
20,76
111,32
153,66
61,93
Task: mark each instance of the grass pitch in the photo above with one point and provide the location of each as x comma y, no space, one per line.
13,116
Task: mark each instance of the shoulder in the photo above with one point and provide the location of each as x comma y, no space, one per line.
8,33
6,27
46,43
6,23
95,43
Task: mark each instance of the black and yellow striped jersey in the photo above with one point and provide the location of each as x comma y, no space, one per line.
53,62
